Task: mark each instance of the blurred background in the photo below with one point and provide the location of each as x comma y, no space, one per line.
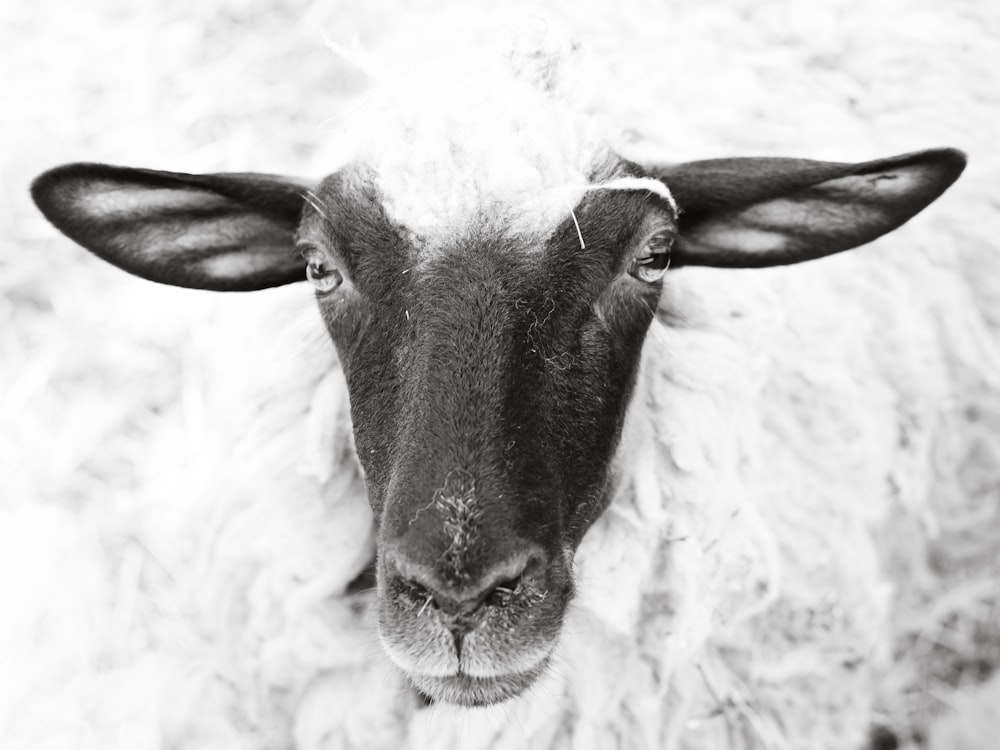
100,373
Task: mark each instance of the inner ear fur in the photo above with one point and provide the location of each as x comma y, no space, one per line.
758,212
224,232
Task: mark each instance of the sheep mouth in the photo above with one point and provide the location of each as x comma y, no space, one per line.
476,692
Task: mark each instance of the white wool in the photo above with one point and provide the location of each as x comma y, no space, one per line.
799,446
504,131
498,130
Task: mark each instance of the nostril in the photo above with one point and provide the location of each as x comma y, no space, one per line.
417,593
466,597
502,594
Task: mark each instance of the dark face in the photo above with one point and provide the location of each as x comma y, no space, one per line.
489,378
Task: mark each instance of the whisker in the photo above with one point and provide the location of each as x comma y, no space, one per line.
314,200
426,602
576,223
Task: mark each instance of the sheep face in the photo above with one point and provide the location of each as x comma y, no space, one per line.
489,367
489,376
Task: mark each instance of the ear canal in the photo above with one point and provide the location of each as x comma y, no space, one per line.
223,232
758,212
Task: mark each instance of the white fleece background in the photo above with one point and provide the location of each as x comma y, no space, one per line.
173,535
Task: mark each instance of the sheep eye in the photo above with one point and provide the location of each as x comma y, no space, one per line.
322,276
652,263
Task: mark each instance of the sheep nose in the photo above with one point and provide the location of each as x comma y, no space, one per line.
461,597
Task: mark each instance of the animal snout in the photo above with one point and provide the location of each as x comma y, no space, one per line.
471,627
462,597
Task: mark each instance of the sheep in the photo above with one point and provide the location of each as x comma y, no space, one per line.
641,492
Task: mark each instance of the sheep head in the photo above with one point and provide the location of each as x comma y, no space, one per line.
489,366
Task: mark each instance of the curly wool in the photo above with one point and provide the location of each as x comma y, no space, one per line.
498,129
732,595
802,444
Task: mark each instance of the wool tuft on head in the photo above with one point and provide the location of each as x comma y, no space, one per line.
506,135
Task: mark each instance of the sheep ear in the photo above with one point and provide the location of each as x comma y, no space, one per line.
758,212
225,232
